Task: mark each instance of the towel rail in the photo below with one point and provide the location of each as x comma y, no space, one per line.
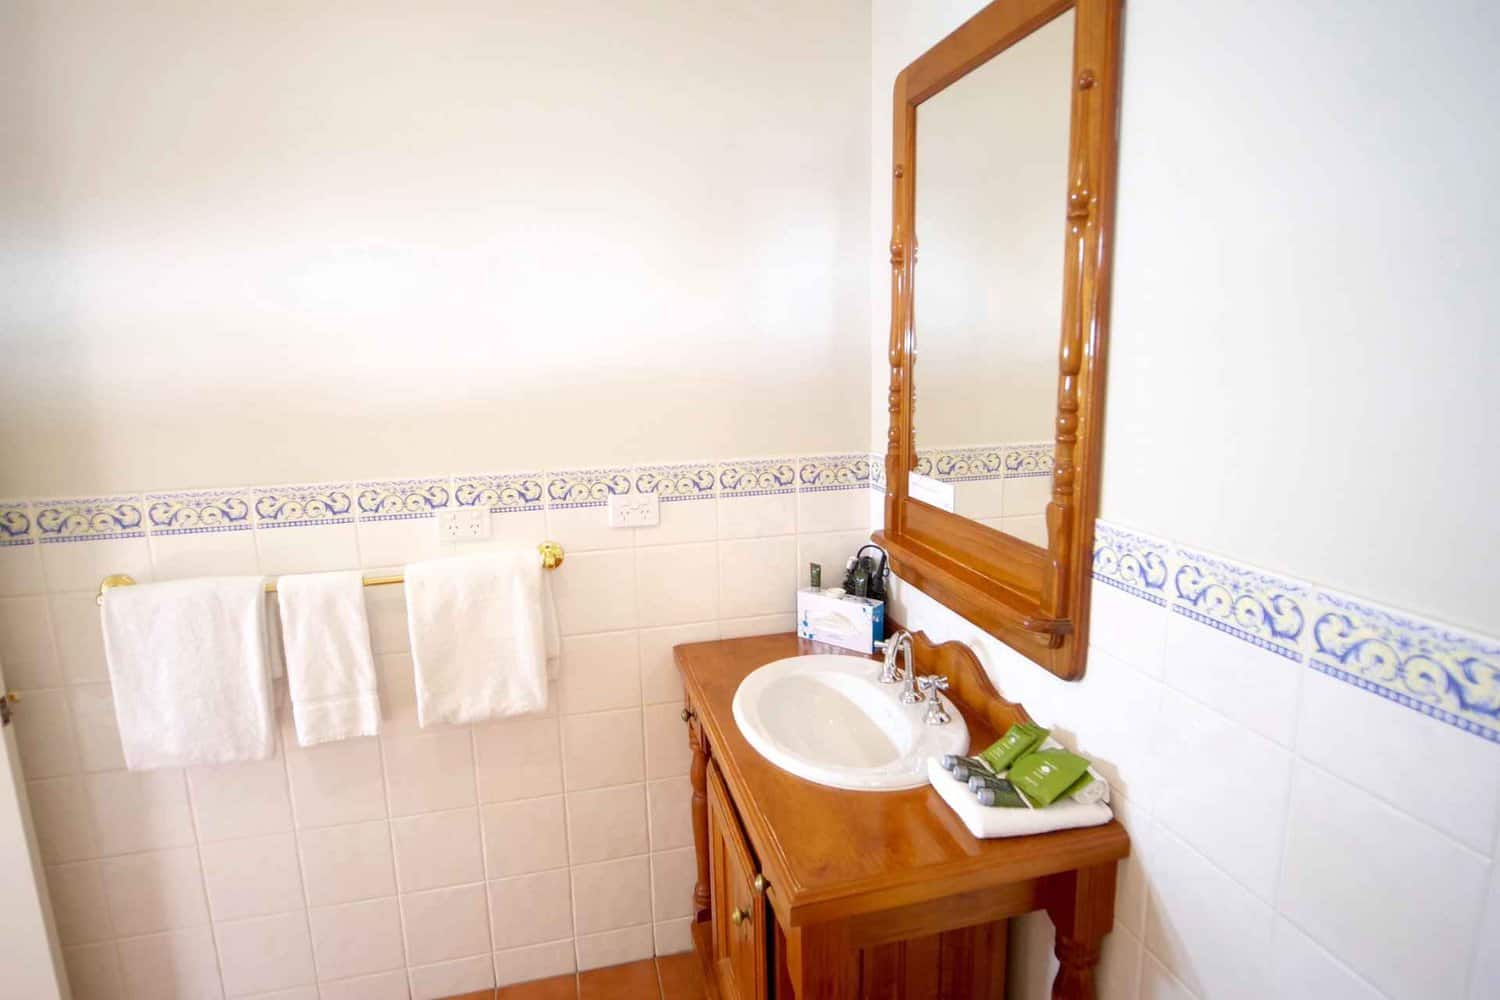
551,553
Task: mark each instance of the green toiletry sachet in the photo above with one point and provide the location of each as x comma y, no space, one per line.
1047,775
1001,793
1018,740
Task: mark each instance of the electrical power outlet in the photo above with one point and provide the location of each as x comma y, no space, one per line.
634,510
464,524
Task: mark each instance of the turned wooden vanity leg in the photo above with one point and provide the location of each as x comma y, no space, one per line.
1082,907
699,777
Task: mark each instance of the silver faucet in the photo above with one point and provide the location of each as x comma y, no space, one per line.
936,714
891,672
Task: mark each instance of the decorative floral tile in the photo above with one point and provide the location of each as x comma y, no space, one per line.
299,506
960,465
1264,610
1448,675
1133,563
198,511
877,471
89,518
515,491
1025,460
400,499
15,524
586,487
833,472
692,481
757,477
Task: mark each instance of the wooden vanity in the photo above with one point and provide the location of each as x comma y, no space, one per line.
816,893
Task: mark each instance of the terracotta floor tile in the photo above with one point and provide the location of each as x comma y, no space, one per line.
636,981
556,988
681,977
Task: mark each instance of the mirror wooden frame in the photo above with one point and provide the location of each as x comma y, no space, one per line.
1034,599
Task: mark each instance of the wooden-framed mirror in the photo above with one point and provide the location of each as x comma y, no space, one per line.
1004,162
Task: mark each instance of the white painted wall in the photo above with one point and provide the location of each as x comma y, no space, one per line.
1301,361
379,238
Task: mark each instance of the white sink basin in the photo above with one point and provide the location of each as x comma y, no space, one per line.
828,719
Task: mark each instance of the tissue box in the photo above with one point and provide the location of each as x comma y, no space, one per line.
854,623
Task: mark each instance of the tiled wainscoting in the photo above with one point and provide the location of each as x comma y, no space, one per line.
431,862
1311,783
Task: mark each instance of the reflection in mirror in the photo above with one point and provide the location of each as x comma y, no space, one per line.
991,183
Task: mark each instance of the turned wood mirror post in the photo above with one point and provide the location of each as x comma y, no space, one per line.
1032,596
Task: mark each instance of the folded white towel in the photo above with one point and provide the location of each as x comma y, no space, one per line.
1001,821
480,636
329,668
188,663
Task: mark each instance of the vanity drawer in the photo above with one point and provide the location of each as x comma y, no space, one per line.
738,909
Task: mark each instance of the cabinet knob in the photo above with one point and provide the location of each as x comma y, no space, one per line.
738,916
760,883
687,715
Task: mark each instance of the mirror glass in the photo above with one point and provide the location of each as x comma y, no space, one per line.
991,199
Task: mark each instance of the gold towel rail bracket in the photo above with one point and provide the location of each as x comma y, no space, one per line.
551,553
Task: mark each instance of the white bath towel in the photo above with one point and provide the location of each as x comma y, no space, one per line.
480,636
330,670
188,664
1001,821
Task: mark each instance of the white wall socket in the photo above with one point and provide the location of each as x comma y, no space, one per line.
464,524
634,510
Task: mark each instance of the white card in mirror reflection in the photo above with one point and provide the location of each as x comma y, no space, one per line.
931,491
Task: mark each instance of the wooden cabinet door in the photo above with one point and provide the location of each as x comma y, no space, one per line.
739,911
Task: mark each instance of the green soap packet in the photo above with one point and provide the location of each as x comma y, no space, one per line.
1047,775
1017,741
1079,785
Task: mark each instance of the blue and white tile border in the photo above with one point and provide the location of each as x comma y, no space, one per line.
300,506
1452,676
824,473
1447,674
576,488
1261,609
1133,563
15,524
401,499
758,477
986,462
88,518
682,481
192,512
502,494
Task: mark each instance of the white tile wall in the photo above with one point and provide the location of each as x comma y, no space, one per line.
1294,832
420,862
1287,837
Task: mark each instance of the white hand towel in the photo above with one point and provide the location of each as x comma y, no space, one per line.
1001,821
188,664
329,668
479,636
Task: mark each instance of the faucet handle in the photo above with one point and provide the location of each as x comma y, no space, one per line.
936,714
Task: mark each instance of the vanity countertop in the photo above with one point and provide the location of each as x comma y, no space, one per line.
833,853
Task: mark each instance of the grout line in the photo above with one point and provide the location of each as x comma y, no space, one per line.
1333,956
484,855
1298,760
213,931
307,908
